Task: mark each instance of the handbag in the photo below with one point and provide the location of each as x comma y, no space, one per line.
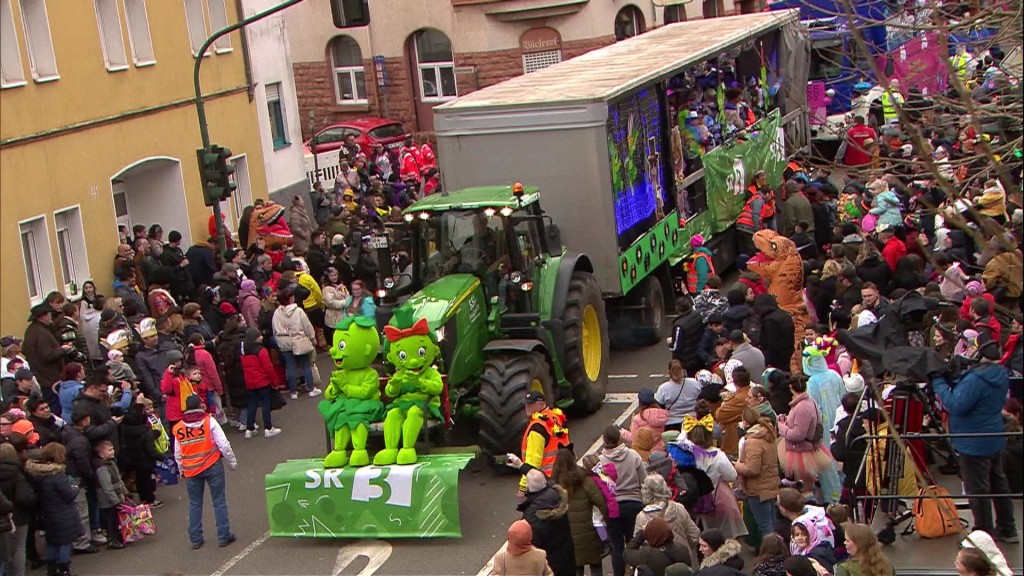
301,344
277,400
144,519
127,520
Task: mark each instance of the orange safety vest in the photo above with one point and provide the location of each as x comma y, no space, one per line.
746,217
691,270
556,434
768,207
198,450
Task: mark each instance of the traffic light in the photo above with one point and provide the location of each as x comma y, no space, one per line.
215,173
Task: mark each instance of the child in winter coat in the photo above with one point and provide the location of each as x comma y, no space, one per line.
140,450
260,379
110,492
211,377
120,371
603,476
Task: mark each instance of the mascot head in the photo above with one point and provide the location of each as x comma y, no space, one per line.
268,222
356,343
773,245
411,345
814,361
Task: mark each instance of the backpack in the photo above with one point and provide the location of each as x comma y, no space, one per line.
818,434
935,515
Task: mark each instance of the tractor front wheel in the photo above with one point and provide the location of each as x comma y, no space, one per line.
505,381
586,343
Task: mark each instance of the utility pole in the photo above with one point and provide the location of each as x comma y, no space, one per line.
204,130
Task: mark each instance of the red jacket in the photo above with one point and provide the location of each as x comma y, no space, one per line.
208,368
175,388
427,160
408,167
258,370
894,250
965,308
857,153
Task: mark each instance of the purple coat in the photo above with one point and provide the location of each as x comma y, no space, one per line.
797,428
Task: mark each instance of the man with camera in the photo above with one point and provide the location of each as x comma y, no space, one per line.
974,401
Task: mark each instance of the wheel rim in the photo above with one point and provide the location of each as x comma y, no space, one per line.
537,386
591,340
658,312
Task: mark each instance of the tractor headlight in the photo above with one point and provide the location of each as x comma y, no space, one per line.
381,293
516,277
389,283
408,217
526,286
506,211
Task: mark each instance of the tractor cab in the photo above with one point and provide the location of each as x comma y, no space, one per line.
496,234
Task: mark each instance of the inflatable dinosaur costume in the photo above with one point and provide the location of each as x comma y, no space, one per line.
267,221
352,398
414,389
779,264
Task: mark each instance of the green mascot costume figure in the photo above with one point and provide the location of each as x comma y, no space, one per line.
415,389
352,399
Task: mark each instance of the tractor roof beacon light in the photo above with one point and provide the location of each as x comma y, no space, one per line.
518,191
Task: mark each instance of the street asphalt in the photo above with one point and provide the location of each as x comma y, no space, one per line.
487,505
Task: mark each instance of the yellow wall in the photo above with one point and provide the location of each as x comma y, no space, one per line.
75,168
86,90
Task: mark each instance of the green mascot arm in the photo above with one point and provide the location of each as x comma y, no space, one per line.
430,382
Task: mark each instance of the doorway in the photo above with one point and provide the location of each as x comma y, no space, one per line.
152,191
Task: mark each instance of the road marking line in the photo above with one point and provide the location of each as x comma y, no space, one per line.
620,376
376,553
241,555
657,375
618,398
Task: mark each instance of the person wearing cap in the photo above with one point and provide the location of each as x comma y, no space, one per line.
10,349
42,349
545,433
698,266
126,287
974,402
201,450
78,467
152,360
17,390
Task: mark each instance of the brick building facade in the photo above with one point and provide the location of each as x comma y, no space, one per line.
425,44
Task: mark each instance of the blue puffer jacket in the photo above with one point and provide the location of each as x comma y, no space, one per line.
887,207
975,404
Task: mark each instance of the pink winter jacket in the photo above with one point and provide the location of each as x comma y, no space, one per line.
797,428
607,491
650,417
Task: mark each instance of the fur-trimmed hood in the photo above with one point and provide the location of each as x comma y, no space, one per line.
41,469
551,510
728,550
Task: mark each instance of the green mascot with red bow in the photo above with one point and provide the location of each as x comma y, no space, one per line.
415,388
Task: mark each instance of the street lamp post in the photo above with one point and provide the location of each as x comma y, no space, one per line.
204,130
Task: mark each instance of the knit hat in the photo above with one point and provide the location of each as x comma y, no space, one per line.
854,383
741,261
645,397
118,340
227,308
520,538
147,328
535,481
193,403
337,240
866,318
107,315
252,335
248,284
80,411
975,288
115,356
696,241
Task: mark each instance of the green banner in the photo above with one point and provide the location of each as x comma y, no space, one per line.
729,169
421,500
649,251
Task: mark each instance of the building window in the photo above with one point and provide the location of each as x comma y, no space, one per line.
713,8
138,32
436,66
675,13
350,13
219,21
349,74
35,250
278,131
40,44
11,72
196,21
109,23
74,263
628,23
538,60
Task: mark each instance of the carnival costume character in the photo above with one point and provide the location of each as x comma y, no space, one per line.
415,389
826,388
352,399
779,264
267,221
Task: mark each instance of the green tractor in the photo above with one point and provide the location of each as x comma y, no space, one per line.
512,310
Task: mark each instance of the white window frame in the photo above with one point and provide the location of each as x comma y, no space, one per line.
41,258
111,40
352,71
12,71
71,248
540,60
139,37
218,13
190,16
436,66
40,48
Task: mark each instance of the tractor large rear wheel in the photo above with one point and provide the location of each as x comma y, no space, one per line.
586,343
503,386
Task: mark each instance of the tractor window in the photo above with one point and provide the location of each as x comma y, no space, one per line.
527,241
466,242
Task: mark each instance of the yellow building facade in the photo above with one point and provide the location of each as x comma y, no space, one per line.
98,128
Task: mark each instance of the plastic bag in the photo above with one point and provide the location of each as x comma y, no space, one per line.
167,471
144,519
127,519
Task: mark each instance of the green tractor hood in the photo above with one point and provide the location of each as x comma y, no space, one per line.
438,301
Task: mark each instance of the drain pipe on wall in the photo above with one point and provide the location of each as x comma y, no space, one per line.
251,90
